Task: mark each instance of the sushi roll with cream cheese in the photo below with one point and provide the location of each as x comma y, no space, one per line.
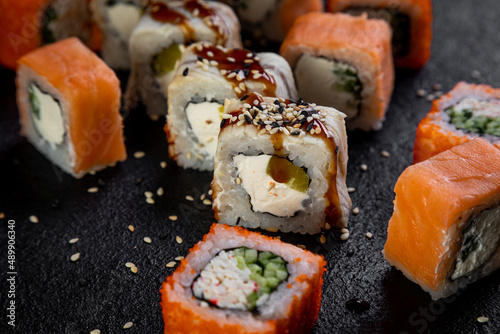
281,165
205,77
236,281
157,42
343,62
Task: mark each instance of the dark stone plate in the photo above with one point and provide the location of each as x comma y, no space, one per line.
55,295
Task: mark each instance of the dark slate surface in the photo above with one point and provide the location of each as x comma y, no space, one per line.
55,295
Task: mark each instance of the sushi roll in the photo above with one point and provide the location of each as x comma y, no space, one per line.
236,281
157,42
116,19
69,103
410,20
343,62
205,77
272,19
281,165
29,24
466,112
445,233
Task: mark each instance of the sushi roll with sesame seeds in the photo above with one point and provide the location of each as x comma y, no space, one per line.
157,42
343,62
281,165
116,19
237,281
272,18
205,77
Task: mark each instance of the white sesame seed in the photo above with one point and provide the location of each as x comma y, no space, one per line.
240,123
199,63
385,154
196,12
134,269
482,319
95,331
93,190
438,94
163,164
231,59
209,53
238,180
147,240
139,154
322,239
33,219
430,97
351,189
421,93
2,215
355,211
249,55
214,63
92,172
210,192
363,167
301,246
129,265
248,61
223,72
344,230
131,228
475,74
149,200
231,75
256,76
128,325
179,258
327,226
148,194
178,239
207,202
242,86
75,257
189,198
369,235
173,218
344,236
74,241
160,191
171,264
237,90
437,86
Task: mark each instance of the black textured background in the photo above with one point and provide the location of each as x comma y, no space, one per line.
55,295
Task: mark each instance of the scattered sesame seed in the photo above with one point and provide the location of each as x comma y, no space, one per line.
322,239
174,218
75,257
482,319
189,198
128,325
149,200
33,219
421,92
238,180
475,74
160,191
207,201
231,59
351,189
344,236
74,241
129,265
369,235
154,118
92,172
437,86
355,210
2,215
148,194
95,331
438,94
385,154
327,226
134,269
163,164
363,167
179,258
430,97
301,246
210,192
139,154
93,190
171,264
178,239
202,197
147,240
344,230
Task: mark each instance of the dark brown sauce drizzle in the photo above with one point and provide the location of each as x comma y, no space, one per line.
243,64
162,13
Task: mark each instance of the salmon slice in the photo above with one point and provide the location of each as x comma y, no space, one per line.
436,203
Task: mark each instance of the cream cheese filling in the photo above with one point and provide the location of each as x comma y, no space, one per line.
266,194
124,17
204,118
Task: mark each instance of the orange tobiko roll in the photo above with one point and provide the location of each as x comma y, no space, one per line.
69,103
466,112
411,22
237,281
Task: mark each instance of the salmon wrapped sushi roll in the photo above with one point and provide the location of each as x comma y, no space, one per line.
29,24
343,62
69,103
410,20
466,112
157,42
116,20
281,165
205,77
272,18
445,232
236,281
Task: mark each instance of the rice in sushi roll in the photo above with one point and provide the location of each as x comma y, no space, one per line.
466,112
343,62
157,42
29,24
281,165
236,281
69,103
205,77
445,232
116,19
410,20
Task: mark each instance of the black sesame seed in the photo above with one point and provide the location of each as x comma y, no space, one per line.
303,121
309,127
337,150
277,102
261,123
246,72
186,71
296,133
247,65
244,97
292,101
305,113
248,119
275,124
163,236
222,123
237,70
300,101
287,122
199,58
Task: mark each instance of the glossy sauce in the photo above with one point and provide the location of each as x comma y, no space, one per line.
357,305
